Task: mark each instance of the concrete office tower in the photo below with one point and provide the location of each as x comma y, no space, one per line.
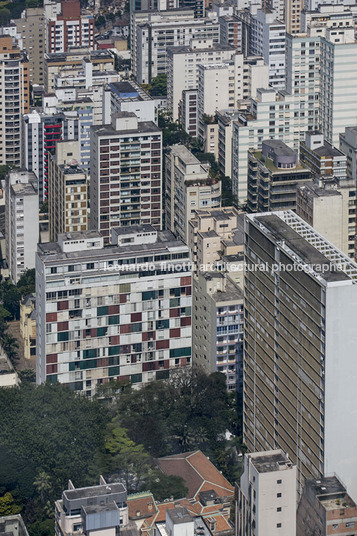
300,337
67,198
128,97
188,187
266,503
348,145
271,115
303,75
268,41
274,174
157,34
338,80
21,222
125,174
71,63
122,311
91,510
217,326
324,160
326,508
32,29
316,202
210,233
14,100
68,28
183,62
41,133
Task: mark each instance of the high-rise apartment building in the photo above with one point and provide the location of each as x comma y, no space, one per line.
41,133
300,337
273,176
187,112
324,160
266,502
329,206
326,508
158,33
21,222
268,40
67,197
117,312
188,187
32,29
217,326
67,28
348,145
231,32
293,12
125,173
182,70
14,100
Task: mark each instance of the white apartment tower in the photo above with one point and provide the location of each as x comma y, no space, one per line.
125,173
21,222
266,503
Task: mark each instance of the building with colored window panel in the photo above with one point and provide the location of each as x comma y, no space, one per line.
116,312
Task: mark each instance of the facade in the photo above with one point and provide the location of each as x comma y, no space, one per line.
13,525
182,70
217,326
91,510
299,342
71,62
266,502
326,508
187,112
32,29
129,97
14,100
316,202
179,521
188,187
231,32
274,174
322,158
21,222
293,9
28,325
68,197
68,28
125,174
41,133
157,34
348,145
118,312
268,41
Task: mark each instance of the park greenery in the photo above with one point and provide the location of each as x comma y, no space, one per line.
157,86
49,434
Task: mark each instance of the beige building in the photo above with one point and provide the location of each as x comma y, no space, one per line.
316,202
14,100
217,326
326,508
211,231
32,29
28,325
293,9
266,499
188,188
67,197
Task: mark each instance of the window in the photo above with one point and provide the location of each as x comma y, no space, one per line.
279,481
278,509
278,495
278,525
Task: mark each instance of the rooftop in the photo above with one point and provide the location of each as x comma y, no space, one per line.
94,491
326,150
306,246
186,49
108,130
179,515
271,461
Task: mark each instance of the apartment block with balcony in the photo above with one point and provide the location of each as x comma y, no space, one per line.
273,176
125,173
14,100
116,312
324,160
67,28
188,187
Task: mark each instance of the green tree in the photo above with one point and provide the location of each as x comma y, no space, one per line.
159,86
8,507
42,484
44,207
3,169
10,346
27,282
